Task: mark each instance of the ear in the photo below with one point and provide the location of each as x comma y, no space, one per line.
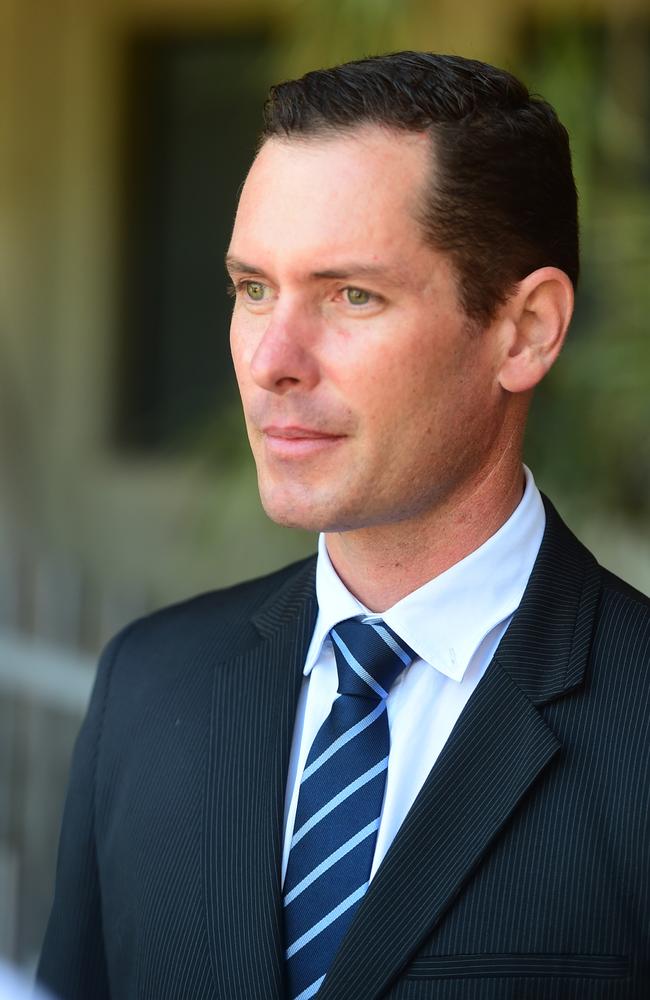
536,318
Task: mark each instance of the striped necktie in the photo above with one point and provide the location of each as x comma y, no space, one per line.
340,802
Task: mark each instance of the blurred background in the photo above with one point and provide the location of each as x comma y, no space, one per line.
126,127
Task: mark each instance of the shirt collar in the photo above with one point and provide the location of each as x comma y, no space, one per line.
446,619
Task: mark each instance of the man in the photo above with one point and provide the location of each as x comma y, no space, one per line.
417,767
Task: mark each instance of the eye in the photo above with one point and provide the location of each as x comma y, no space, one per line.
357,296
255,290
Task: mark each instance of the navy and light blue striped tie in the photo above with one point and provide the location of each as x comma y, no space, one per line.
340,802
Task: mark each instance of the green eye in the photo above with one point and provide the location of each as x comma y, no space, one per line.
255,291
357,296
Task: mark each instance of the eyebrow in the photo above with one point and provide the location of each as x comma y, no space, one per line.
233,264
351,270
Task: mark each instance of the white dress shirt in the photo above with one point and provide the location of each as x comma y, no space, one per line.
454,623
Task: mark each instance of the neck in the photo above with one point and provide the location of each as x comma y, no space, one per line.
382,564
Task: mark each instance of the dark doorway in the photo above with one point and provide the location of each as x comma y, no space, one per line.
193,112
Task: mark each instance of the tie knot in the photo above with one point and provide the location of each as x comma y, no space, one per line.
369,656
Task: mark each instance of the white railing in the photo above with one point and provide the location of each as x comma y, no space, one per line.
54,617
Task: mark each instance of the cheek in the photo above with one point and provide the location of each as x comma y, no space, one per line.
242,347
235,342
420,401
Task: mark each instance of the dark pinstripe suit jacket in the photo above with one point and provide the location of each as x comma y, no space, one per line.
522,871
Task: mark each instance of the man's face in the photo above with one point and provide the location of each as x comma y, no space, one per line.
368,400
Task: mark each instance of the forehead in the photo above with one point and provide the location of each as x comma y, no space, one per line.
333,196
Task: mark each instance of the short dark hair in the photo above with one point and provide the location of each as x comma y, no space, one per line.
502,200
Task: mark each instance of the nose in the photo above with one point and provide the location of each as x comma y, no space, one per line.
284,358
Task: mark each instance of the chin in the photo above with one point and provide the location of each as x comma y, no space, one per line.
316,518
291,516
296,521
298,509
282,508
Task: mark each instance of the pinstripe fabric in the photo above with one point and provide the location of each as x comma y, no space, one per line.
522,871
155,881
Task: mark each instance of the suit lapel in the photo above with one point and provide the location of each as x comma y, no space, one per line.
254,703
497,751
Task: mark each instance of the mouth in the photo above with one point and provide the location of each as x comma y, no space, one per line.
297,442
295,433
